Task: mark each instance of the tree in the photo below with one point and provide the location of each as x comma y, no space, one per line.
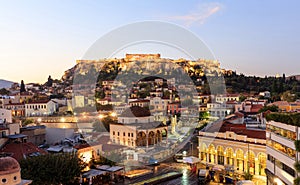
242,98
272,108
22,89
288,96
52,168
203,115
49,83
4,91
27,121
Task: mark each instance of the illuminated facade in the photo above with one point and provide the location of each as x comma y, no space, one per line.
282,154
233,151
137,128
234,146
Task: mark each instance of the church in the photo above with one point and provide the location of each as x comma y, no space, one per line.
137,128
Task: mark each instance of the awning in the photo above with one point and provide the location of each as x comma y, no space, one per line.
55,149
93,173
103,167
218,168
114,168
191,160
16,136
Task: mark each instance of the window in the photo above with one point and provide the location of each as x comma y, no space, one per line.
113,132
4,180
282,148
118,133
128,134
124,134
131,134
15,178
271,158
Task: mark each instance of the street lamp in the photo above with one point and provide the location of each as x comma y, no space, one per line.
62,120
113,114
100,116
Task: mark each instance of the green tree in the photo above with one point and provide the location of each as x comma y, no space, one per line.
52,169
272,108
4,91
27,121
288,96
49,81
22,88
203,115
242,98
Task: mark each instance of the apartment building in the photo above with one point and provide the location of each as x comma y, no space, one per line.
281,151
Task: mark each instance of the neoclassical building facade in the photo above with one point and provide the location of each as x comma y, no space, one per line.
241,151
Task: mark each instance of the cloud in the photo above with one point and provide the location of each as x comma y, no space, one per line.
198,16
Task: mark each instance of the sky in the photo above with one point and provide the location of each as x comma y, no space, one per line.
42,38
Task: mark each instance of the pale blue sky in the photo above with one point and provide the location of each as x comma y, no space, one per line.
41,38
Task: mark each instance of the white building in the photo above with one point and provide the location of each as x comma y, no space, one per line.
158,104
228,97
219,109
265,94
78,101
140,103
41,108
281,152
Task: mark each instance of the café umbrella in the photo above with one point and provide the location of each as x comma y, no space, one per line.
191,160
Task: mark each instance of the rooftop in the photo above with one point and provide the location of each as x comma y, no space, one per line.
135,111
241,129
149,125
21,150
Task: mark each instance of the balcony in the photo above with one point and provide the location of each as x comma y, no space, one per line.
287,178
282,156
283,140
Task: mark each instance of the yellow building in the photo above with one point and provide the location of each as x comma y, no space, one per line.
285,106
235,147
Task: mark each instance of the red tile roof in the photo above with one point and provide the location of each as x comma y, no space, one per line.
39,102
256,108
82,146
241,129
19,150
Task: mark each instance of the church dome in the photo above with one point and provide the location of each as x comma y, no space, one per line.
8,165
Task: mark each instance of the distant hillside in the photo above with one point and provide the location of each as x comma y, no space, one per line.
5,83
294,76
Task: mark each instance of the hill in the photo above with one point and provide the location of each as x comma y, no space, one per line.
5,83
